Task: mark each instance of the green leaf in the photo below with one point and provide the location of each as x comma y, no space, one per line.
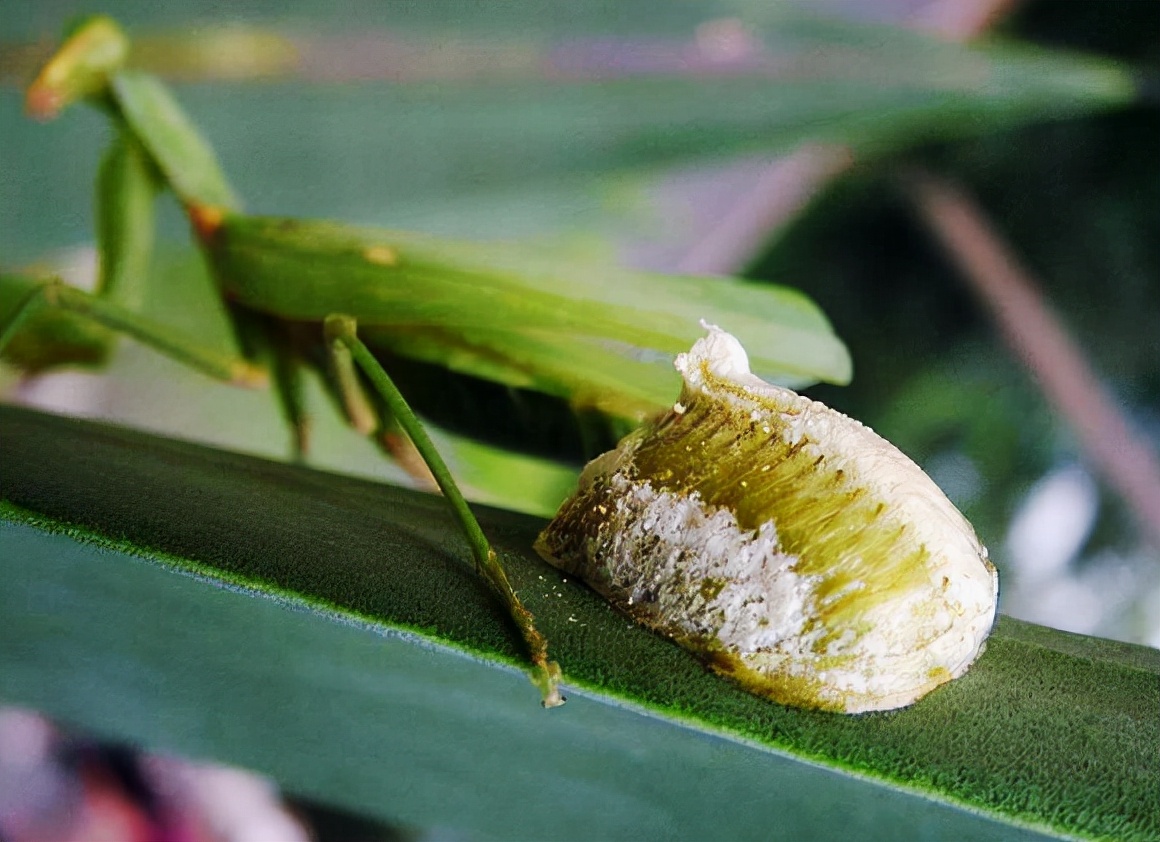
377,674
644,103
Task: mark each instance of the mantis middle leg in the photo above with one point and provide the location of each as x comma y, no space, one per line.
53,294
348,350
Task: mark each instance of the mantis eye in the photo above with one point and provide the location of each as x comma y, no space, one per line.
793,549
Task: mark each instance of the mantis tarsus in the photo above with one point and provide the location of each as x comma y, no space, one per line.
320,296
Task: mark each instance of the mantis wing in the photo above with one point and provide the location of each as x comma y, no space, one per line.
597,335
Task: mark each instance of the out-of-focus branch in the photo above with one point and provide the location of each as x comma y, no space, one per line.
960,20
789,182
782,188
1123,458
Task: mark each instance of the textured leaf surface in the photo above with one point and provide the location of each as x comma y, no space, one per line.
380,676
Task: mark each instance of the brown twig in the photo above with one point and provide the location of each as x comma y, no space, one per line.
782,188
1035,334
788,183
960,20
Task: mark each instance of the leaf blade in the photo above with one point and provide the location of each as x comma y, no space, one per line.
1033,737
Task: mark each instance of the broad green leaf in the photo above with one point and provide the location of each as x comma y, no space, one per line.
377,672
875,88
574,105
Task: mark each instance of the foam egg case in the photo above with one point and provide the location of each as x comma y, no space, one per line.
793,549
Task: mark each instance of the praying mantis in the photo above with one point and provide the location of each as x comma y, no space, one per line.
309,296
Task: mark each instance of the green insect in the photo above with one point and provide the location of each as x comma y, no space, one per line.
334,299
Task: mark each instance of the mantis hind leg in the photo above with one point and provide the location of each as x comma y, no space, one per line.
348,350
277,345
378,421
41,295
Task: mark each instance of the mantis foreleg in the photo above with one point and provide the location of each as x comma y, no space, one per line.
342,338
53,294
